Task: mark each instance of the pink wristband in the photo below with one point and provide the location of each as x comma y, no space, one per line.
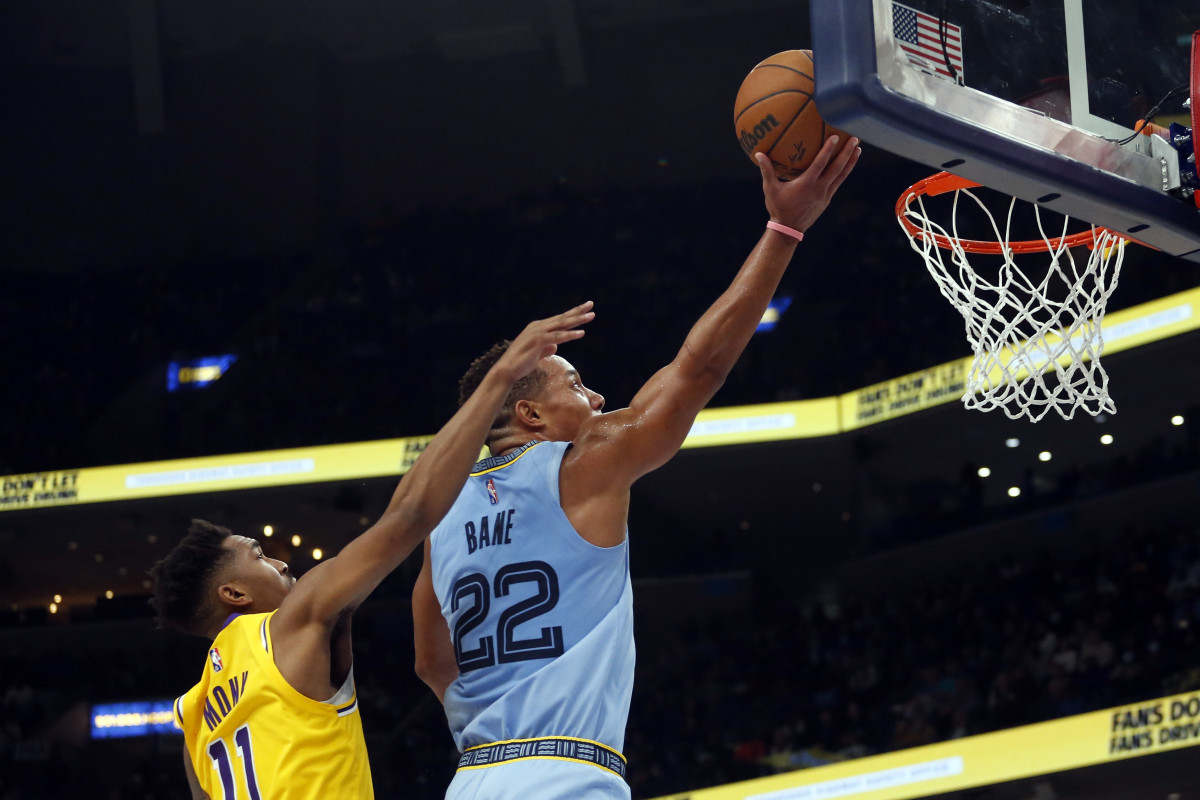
792,232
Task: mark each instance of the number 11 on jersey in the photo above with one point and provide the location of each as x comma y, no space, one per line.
223,764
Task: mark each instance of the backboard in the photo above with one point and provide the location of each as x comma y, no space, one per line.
1029,97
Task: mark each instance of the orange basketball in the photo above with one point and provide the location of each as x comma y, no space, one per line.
775,113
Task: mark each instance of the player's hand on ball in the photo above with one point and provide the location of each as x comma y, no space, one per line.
797,203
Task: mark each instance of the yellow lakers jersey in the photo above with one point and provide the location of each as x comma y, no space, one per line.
251,736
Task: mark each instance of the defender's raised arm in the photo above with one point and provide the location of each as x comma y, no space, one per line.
428,490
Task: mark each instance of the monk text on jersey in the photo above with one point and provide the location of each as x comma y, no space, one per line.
223,698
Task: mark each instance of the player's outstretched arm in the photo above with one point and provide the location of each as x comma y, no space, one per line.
649,432
197,791
435,661
427,491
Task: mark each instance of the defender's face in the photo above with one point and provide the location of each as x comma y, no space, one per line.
267,580
565,402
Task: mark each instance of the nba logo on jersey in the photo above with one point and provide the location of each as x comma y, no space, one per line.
491,487
215,658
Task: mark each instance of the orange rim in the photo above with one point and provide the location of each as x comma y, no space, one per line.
944,182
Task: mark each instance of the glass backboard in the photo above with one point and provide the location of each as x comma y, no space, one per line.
1029,97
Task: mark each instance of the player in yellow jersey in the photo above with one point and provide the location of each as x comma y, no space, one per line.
274,714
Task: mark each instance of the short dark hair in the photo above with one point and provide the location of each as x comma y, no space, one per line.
182,580
529,386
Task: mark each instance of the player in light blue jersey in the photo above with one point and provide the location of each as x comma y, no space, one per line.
274,714
523,610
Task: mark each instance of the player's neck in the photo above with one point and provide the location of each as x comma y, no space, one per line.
218,623
510,441
227,614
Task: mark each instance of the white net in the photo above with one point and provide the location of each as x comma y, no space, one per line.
1036,335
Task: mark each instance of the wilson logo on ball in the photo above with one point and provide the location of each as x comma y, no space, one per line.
749,138
775,112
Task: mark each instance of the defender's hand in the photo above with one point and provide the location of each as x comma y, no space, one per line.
542,338
797,203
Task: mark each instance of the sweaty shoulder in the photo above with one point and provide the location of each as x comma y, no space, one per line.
600,439
594,479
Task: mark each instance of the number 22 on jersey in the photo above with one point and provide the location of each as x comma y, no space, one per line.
505,647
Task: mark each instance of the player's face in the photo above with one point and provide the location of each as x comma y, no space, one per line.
565,402
267,580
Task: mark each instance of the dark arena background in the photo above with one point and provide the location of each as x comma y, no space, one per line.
269,233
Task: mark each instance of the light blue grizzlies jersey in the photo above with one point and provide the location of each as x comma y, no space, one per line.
542,620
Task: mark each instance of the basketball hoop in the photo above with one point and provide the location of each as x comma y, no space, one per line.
1036,336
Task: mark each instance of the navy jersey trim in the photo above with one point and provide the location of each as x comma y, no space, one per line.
552,747
496,462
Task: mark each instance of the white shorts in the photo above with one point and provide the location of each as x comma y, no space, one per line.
538,779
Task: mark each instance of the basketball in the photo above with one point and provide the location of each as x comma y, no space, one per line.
775,113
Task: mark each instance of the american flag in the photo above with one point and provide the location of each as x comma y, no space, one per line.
918,36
